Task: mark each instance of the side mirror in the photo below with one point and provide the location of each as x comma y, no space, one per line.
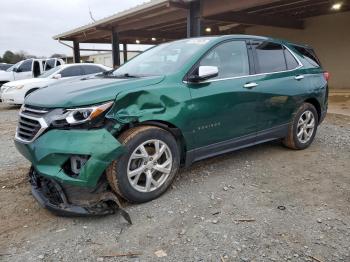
204,73
17,70
57,76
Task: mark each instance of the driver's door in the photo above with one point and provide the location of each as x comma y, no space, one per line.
24,71
223,107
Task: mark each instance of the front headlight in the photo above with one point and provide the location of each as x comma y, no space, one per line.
15,87
76,116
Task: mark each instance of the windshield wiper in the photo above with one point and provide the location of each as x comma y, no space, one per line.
126,75
109,74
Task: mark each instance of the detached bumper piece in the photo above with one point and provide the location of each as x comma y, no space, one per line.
52,196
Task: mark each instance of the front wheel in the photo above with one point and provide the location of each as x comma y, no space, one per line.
302,129
148,167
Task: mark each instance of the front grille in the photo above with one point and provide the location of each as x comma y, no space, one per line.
33,111
51,191
49,188
30,124
27,128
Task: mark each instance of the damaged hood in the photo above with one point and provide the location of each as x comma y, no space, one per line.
86,91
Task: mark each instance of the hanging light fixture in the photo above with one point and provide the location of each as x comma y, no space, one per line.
337,6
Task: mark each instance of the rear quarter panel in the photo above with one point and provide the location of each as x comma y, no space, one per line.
316,86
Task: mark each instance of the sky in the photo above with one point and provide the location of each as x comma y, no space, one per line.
29,25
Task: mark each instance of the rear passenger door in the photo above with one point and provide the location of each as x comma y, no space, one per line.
277,85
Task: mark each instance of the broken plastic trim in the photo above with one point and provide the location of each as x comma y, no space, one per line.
51,196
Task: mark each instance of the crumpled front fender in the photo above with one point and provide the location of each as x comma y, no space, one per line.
51,150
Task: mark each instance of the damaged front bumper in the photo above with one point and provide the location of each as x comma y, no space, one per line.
50,194
66,193
73,201
50,152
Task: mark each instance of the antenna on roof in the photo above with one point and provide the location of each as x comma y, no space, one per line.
90,13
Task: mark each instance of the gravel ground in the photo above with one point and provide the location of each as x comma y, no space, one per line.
265,203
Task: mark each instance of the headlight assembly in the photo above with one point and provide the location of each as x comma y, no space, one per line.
76,116
16,87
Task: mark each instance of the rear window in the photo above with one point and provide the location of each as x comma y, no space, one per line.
270,57
292,63
50,63
91,69
309,54
73,70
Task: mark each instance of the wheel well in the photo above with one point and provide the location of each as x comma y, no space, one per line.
174,130
316,104
3,82
30,91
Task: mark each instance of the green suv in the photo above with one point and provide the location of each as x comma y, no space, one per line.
128,131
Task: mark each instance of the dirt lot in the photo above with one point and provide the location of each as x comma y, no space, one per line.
222,209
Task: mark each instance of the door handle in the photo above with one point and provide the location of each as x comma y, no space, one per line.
299,77
250,85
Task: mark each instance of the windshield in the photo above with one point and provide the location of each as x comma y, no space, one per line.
10,69
163,59
50,72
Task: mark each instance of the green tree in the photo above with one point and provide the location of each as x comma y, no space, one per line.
8,57
12,58
58,56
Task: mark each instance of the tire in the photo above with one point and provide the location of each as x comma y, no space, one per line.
135,140
298,123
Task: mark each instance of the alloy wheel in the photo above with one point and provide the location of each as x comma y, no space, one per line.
149,165
306,127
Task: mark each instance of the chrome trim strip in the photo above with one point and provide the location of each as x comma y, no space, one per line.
34,110
261,74
43,127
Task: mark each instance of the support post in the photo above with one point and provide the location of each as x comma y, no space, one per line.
125,52
76,52
194,19
115,48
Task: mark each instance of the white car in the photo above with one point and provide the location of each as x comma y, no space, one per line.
29,68
14,92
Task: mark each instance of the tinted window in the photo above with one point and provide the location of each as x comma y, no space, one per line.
231,58
309,54
26,66
50,64
58,63
292,63
71,71
270,57
91,69
5,66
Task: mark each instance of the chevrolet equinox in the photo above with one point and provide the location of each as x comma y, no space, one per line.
127,132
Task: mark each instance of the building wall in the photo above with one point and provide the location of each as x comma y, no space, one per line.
101,58
106,58
329,35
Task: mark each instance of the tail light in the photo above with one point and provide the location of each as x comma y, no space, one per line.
326,75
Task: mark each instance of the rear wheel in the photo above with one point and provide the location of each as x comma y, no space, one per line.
302,129
148,167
